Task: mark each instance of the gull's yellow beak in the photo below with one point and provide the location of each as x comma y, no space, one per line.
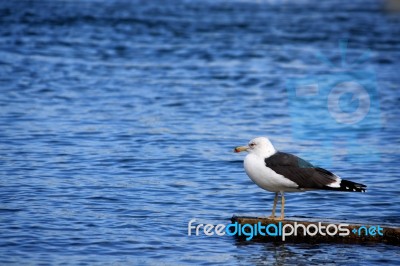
241,148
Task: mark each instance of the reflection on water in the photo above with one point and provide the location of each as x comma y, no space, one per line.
118,121
307,254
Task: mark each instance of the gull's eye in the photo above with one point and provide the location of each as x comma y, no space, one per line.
252,145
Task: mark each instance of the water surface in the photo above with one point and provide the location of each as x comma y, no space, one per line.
118,121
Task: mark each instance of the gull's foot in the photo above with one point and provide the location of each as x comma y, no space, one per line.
273,217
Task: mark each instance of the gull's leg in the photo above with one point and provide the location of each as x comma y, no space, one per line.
273,209
283,206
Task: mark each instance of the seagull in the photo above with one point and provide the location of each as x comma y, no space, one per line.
281,172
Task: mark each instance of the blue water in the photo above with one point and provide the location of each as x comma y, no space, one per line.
118,120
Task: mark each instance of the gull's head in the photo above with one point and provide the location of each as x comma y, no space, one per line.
260,146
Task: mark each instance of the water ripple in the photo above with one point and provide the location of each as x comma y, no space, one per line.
119,118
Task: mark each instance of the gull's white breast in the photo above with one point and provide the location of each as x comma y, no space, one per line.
265,177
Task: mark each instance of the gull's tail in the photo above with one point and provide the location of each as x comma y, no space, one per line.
346,185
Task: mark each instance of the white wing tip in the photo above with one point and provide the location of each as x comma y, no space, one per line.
336,183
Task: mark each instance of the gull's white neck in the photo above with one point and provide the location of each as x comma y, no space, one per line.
264,154
264,151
